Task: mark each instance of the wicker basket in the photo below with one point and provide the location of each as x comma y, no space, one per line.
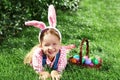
86,61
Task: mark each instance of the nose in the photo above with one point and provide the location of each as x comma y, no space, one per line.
51,48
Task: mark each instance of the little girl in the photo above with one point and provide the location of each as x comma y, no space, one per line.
49,51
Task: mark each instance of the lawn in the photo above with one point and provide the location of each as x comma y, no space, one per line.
97,20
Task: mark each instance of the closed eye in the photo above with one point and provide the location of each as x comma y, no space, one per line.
54,44
46,44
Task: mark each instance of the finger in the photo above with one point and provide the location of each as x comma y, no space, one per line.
39,77
58,77
53,78
45,77
42,77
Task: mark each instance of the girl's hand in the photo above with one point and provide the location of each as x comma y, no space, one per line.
44,75
55,75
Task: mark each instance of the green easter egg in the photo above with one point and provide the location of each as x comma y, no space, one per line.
95,61
83,60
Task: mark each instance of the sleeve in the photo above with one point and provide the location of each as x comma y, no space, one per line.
37,60
62,61
68,48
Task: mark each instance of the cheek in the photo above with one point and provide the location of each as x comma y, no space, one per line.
58,47
44,49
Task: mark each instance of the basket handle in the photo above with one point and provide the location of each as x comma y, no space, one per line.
87,49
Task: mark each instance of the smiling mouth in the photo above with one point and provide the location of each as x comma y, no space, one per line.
50,52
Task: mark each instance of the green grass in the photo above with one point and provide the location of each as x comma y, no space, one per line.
97,20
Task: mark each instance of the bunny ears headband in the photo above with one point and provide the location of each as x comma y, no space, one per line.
42,26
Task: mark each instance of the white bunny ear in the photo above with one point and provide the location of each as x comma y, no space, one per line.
37,24
52,16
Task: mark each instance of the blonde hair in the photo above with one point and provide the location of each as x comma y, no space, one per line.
28,57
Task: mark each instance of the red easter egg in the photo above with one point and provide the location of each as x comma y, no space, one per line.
91,64
100,60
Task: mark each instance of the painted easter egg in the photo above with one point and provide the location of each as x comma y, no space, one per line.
95,61
88,61
91,64
83,60
76,57
99,59
73,60
85,57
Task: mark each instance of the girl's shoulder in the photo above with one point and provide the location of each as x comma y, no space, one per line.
63,50
37,50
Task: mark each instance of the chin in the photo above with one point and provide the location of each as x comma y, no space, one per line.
52,55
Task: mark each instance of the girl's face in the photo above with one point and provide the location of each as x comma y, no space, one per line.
50,45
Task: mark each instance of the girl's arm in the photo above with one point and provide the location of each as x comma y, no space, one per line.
62,61
56,74
37,60
68,48
37,65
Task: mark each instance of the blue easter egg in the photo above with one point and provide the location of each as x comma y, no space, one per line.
76,57
87,61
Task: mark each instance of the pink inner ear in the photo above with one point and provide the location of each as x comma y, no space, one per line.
37,24
52,16
51,20
41,26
